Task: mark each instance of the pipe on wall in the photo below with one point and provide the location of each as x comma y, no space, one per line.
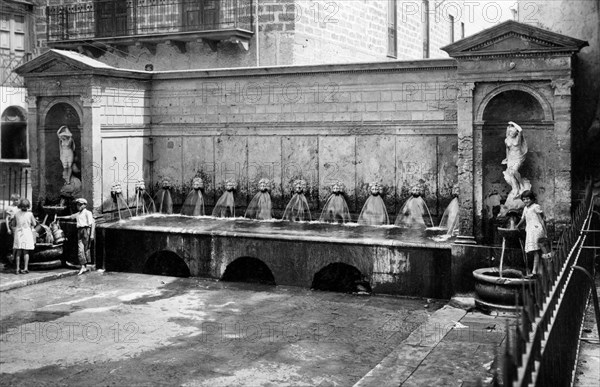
256,34
425,20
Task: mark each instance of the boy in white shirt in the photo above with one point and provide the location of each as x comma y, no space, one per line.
86,228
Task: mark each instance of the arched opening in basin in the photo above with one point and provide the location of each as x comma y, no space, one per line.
340,277
248,269
166,263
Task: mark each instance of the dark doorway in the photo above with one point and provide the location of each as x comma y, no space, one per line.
13,134
340,277
248,269
202,15
166,263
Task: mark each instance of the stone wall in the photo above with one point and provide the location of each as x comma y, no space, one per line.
355,31
581,20
291,32
355,123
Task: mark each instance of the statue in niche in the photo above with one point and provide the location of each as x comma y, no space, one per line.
143,201
260,206
67,152
194,202
335,209
163,200
374,212
297,209
516,149
225,207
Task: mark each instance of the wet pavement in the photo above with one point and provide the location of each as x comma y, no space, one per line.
133,329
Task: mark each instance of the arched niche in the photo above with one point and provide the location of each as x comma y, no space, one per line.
13,134
529,110
57,115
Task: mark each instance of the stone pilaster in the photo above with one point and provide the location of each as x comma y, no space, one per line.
562,134
91,152
33,135
466,161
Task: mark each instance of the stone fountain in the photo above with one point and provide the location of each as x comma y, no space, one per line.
297,209
335,209
260,208
414,212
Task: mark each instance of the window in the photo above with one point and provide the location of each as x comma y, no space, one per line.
392,29
12,34
462,30
13,135
451,28
111,18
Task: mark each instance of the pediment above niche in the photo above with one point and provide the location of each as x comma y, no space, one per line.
512,42
511,38
57,67
66,63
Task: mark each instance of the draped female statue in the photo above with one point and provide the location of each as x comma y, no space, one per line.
516,149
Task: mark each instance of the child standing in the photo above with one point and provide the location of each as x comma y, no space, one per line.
23,242
86,228
9,216
12,210
535,228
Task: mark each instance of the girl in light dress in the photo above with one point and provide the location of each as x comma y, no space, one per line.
24,240
535,229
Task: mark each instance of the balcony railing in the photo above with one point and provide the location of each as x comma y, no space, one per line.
124,21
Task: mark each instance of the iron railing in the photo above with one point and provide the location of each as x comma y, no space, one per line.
541,349
14,179
136,18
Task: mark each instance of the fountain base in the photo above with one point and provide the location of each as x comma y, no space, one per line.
392,260
498,292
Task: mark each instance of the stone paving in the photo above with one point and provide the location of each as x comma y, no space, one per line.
378,341
9,280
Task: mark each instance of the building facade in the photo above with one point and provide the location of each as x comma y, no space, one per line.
17,46
579,19
435,123
194,34
164,35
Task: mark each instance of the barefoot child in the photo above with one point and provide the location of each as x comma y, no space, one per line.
86,228
24,241
535,229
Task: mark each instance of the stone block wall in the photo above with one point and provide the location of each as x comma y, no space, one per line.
581,20
322,124
124,115
341,31
289,32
